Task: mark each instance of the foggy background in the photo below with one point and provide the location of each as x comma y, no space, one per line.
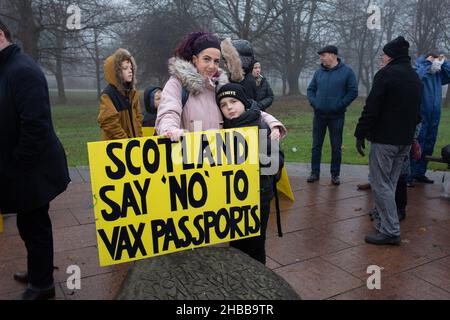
71,43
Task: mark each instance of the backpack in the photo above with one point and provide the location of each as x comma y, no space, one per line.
184,96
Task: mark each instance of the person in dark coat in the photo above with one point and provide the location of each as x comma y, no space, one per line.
264,93
239,111
332,89
247,57
33,165
388,121
152,98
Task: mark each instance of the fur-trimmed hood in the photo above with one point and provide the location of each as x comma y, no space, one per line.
112,69
191,79
233,60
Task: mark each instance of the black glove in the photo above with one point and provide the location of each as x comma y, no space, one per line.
360,146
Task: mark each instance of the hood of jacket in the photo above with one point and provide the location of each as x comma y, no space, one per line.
113,70
193,81
233,60
421,60
339,65
149,99
246,54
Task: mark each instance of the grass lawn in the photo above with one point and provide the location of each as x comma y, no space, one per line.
76,124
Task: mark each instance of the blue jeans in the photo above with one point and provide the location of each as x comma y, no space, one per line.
336,128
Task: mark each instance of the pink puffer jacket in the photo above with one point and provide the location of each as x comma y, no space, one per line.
200,112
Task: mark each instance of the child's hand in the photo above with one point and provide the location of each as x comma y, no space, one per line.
175,135
276,134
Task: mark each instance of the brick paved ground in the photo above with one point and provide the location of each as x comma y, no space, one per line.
322,254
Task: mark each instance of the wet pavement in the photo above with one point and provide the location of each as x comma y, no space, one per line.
322,253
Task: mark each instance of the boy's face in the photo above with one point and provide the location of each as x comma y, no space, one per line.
231,107
157,99
127,71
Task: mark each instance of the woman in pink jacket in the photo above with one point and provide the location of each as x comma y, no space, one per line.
188,101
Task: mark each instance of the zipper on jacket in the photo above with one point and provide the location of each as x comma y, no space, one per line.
130,114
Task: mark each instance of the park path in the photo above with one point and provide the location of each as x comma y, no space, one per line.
322,253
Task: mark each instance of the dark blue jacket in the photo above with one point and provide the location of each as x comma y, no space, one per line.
432,85
33,166
331,91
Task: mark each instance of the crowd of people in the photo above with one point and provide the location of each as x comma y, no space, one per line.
403,105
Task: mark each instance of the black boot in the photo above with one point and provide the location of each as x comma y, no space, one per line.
38,294
381,239
314,177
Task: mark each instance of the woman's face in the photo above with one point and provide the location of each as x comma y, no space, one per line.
257,70
207,62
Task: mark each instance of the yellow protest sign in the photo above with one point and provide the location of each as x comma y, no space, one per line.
152,196
284,186
148,131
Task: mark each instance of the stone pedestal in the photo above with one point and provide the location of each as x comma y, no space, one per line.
213,273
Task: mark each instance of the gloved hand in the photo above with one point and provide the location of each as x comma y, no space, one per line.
360,146
416,150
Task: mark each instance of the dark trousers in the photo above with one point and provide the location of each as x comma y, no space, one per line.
256,247
336,128
401,193
35,229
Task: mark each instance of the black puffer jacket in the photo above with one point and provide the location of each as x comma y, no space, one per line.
264,95
245,50
252,118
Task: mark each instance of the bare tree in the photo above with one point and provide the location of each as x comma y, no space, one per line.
245,19
28,22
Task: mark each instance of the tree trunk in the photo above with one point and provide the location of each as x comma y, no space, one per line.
292,79
97,66
28,32
59,69
60,82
